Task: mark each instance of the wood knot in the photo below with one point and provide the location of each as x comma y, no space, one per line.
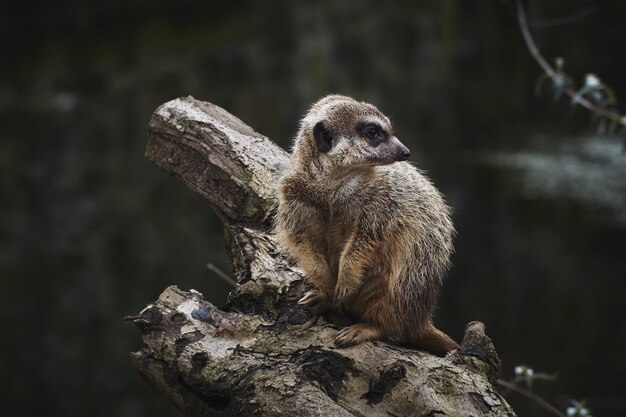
149,317
478,352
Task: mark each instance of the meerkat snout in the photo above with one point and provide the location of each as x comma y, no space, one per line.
402,152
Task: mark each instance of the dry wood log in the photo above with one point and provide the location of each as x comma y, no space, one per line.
262,354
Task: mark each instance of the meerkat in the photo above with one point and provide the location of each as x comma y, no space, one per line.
369,230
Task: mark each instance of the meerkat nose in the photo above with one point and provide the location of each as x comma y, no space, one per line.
403,153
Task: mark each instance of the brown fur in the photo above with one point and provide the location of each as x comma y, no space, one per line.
373,235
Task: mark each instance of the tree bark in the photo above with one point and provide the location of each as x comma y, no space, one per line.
262,354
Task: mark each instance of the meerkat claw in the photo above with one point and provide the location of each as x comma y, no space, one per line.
315,301
356,334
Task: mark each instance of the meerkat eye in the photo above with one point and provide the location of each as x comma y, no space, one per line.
375,133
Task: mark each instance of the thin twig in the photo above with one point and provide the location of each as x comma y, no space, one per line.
223,275
534,51
559,21
531,396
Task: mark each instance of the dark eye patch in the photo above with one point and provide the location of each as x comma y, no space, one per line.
373,132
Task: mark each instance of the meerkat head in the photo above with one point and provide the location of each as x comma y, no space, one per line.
341,131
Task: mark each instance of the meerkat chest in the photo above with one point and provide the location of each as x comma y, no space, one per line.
348,187
338,230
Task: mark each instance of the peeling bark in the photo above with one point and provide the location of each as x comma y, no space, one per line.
261,354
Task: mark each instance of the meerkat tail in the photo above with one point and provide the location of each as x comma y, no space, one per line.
434,340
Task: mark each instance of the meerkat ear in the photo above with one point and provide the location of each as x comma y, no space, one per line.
323,137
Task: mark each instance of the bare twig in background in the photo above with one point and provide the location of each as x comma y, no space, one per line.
564,20
531,396
576,98
223,275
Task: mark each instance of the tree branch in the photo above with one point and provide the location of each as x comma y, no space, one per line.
564,20
261,354
221,274
547,68
532,397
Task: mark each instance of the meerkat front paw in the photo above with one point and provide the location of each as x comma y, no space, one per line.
341,297
357,333
315,301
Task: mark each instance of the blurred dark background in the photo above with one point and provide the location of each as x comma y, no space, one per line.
92,232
